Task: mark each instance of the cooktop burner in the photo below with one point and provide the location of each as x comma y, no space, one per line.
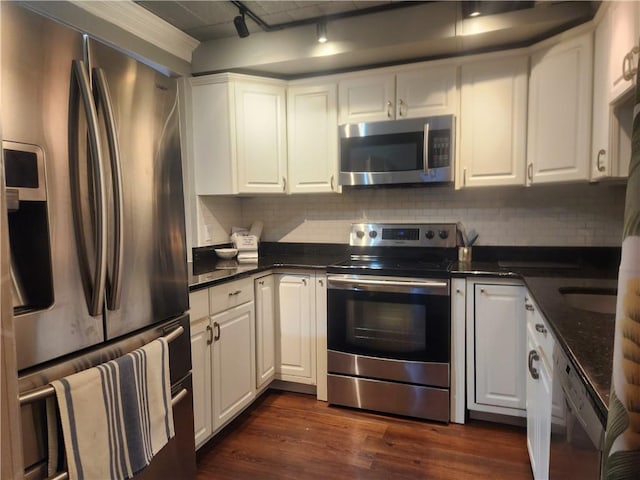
413,250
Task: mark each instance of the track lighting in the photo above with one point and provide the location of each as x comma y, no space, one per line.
241,25
322,32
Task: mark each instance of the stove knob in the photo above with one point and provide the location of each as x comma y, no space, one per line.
429,234
443,234
360,234
373,234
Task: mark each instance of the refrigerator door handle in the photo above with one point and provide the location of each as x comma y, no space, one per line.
103,103
93,280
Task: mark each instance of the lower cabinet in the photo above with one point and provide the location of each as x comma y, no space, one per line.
296,323
222,355
496,342
233,384
538,413
265,330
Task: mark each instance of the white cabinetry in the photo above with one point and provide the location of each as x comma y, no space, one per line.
408,93
238,136
312,121
201,338
234,385
495,347
296,352
222,355
615,55
265,330
545,402
493,117
560,100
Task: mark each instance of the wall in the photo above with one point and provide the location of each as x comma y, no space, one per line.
560,215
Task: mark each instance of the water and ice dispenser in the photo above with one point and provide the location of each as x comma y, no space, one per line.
28,219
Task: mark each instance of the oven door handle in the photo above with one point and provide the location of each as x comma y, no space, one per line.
383,284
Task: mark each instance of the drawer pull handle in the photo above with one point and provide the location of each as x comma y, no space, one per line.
237,292
533,357
529,307
541,328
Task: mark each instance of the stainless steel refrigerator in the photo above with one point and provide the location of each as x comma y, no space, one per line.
91,152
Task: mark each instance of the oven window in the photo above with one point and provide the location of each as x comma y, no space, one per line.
386,326
389,325
383,153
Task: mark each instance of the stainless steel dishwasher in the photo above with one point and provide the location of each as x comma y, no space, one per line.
576,443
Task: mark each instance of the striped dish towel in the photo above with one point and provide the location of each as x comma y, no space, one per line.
115,417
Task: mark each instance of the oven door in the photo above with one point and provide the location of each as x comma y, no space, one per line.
404,320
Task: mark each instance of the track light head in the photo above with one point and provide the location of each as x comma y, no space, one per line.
241,25
322,32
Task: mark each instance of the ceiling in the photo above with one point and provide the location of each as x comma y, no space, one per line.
210,20
362,34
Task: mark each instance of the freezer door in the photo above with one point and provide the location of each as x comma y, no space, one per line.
151,285
37,57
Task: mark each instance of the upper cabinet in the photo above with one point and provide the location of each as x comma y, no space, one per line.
559,132
410,93
493,122
312,136
238,135
615,60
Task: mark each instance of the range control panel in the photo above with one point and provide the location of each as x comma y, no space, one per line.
441,235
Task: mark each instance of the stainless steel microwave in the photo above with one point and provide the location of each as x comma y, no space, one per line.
410,151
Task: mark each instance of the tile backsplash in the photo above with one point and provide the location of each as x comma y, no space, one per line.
557,215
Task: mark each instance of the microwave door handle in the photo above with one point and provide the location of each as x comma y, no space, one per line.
426,148
80,89
103,99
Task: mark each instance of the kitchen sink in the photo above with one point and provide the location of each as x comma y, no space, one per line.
599,300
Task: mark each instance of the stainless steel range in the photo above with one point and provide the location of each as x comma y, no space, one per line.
389,321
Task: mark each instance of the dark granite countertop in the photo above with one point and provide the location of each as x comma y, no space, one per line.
586,337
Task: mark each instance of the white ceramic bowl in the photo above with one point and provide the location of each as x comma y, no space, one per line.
226,252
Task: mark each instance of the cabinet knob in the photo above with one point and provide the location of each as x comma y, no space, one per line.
304,282
321,282
400,105
261,282
458,291
389,109
529,307
483,291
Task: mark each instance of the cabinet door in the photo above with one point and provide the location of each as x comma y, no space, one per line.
312,134
600,154
493,122
321,336
538,414
296,327
560,105
625,29
500,330
260,137
426,91
265,330
367,99
233,362
201,335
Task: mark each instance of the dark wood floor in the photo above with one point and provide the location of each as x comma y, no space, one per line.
293,436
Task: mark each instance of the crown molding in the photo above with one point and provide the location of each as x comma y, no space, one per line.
138,21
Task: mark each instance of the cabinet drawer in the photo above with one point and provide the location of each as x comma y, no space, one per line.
199,304
230,294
